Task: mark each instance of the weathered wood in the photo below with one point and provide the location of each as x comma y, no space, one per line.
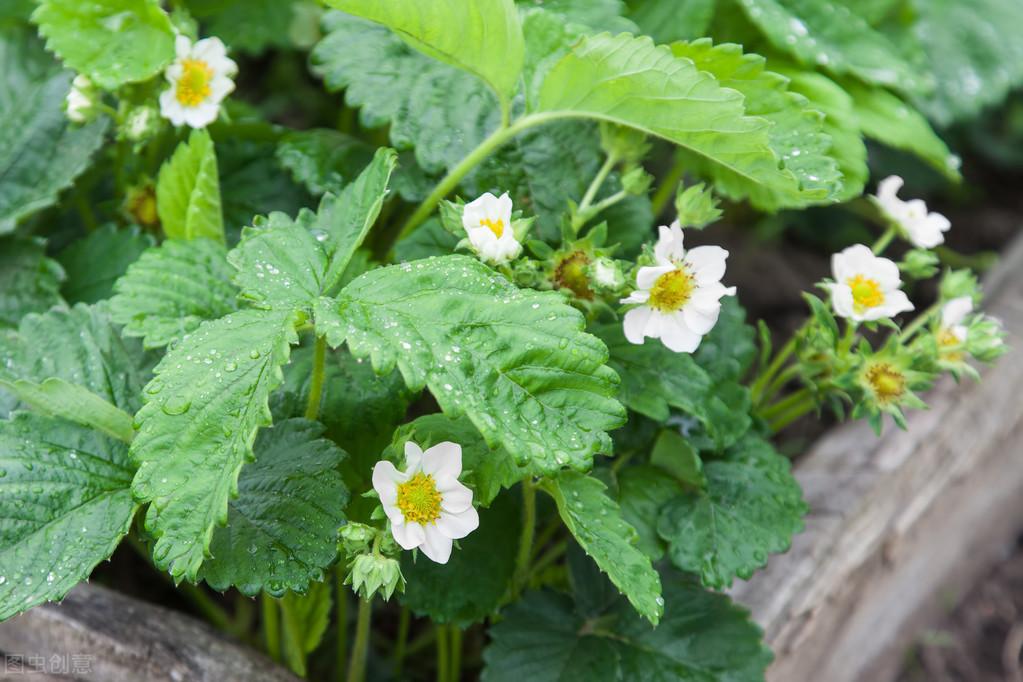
99,634
897,523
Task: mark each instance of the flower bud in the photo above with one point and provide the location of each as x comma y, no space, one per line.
985,339
372,572
606,275
919,264
356,537
81,100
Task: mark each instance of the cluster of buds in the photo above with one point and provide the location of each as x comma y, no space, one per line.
372,566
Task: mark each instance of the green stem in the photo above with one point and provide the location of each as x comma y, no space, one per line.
603,204
498,138
293,638
312,408
357,664
342,624
885,239
521,574
980,262
786,403
401,641
921,319
442,653
668,187
779,381
762,381
797,410
455,660
549,557
591,192
271,627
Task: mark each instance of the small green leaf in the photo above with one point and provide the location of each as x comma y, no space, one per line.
172,289
282,529
443,112
251,26
487,471
596,522
882,116
751,508
208,398
322,159
79,347
703,637
669,20
483,38
632,82
29,281
673,454
58,398
821,33
94,263
188,191
471,585
66,504
113,42
642,493
516,362
41,152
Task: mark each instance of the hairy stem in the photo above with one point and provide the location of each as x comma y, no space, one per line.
920,320
521,574
884,240
312,408
293,639
783,406
804,405
357,664
762,381
442,653
271,627
667,188
581,213
455,660
342,624
401,641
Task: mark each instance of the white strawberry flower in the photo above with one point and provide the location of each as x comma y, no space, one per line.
866,286
924,229
426,504
679,296
200,79
952,331
80,99
488,224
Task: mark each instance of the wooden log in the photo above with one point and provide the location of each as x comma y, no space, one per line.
900,522
99,634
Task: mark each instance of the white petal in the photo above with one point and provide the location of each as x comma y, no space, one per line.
408,535
503,207
209,50
953,312
677,336
413,457
436,546
173,73
457,526
888,189
646,276
634,323
182,47
202,115
896,302
842,301
455,497
669,244
855,260
700,321
707,263
220,88
443,461
637,296
885,272
386,478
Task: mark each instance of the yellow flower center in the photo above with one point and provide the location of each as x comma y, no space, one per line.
571,274
866,292
495,226
194,84
419,500
947,340
886,381
671,290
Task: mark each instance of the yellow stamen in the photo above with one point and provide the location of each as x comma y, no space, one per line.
194,84
866,292
419,500
495,226
947,340
887,382
672,290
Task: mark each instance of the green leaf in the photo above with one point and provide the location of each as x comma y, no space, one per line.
669,20
203,407
674,455
188,191
599,15
642,493
516,362
172,289
282,529
250,26
113,42
66,504
472,584
308,616
94,263
429,239
654,380
632,82
728,351
29,281
703,637
973,50
41,152
751,508
58,398
820,33
285,263
483,38
322,159
840,122
78,346
797,136
442,112
882,116
596,522
487,471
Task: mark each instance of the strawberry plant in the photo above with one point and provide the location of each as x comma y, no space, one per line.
407,318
